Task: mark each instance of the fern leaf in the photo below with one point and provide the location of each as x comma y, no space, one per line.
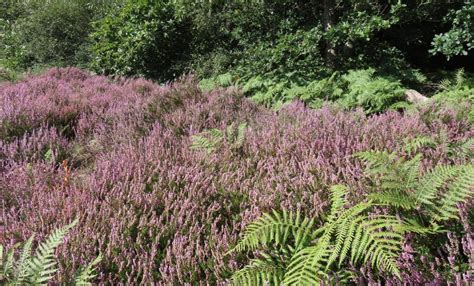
378,162
264,271
412,225
338,200
23,263
459,191
432,181
87,273
459,78
379,244
342,227
463,150
6,263
395,198
414,145
241,134
411,171
42,266
202,143
307,265
276,228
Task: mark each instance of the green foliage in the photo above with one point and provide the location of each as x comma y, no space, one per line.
293,251
39,269
432,195
316,92
222,80
373,93
292,55
362,22
212,139
459,40
47,33
296,253
141,38
456,91
86,274
357,88
461,87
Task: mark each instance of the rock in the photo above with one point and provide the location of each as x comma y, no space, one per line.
414,96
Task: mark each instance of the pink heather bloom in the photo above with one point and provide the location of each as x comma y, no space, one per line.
116,153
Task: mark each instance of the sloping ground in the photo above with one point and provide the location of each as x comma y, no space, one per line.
116,154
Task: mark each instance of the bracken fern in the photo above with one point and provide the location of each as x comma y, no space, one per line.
434,194
40,268
300,254
212,139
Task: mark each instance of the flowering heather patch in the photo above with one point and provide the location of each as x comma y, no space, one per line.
116,154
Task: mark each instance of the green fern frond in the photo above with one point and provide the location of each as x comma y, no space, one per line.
459,190
348,226
375,158
215,134
395,198
338,199
202,143
307,265
241,129
210,140
275,228
378,162
414,145
412,225
462,150
230,131
264,271
41,267
445,84
459,78
432,181
22,266
6,263
400,105
410,171
87,273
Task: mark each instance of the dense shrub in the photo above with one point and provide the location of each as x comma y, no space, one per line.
117,154
459,40
50,33
141,38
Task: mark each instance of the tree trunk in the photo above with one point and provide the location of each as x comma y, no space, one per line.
329,19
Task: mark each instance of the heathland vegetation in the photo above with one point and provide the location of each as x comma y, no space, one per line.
288,142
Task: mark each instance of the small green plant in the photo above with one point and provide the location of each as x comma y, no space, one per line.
295,252
212,139
40,268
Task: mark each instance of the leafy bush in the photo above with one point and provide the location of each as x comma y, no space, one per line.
459,40
141,38
40,268
52,33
